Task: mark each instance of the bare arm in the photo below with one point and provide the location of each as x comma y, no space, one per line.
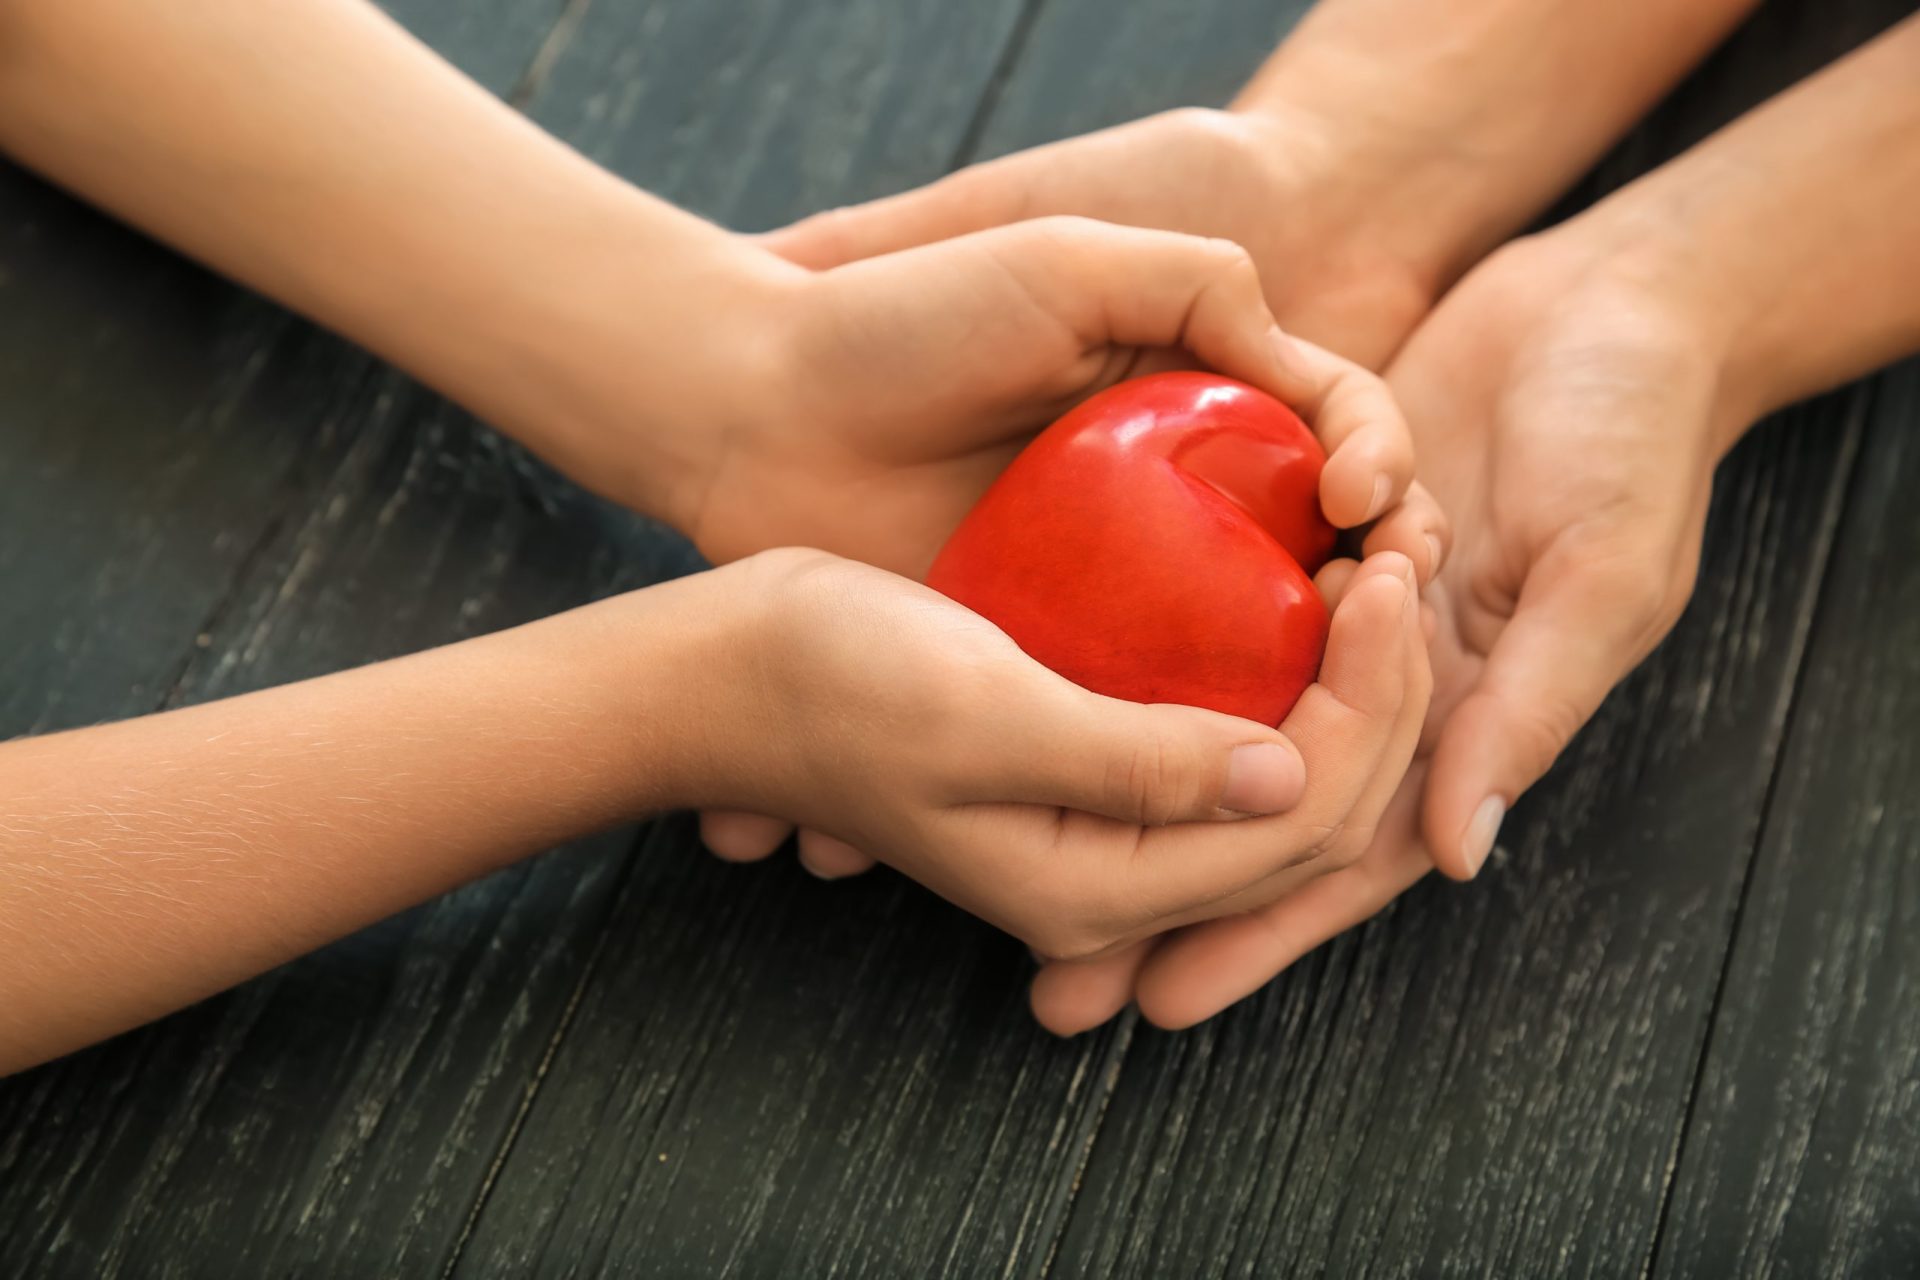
1572,396
1792,237
149,863
1381,151
1468,117
319,153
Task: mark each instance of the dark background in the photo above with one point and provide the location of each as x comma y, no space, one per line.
1673,1028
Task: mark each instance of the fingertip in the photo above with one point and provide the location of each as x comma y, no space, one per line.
1068,998
1333,580
1263,778
1173,995
741,837
1464,807
830,859
1395,566
1365,476
1415,528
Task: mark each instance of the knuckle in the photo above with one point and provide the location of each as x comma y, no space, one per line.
1230,260
1154,787
1194,119
800,574
1216,134
1064,229
1543,730
1346,845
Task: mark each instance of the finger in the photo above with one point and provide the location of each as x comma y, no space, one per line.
1579,626
1133,287
1071,996
1146,765
1369,448
741,837
1358,421
1200,970
1415,528
974,199
1332,581
1362,676
1355,720
1387,781
831,859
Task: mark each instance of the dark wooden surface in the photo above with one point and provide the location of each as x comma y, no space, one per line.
1676,1028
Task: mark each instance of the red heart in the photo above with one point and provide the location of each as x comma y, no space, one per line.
1156,544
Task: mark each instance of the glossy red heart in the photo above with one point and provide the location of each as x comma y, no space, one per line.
1156,544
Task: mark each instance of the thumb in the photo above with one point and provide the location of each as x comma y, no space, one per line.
973,199
1574,634
1148,765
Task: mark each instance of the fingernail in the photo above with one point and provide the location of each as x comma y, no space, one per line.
1380,486
1482,829
1263,777
1434,554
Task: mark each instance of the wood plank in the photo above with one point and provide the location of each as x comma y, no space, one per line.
840,1079
1800,1157
1493,1079
1089,64
164,432
342,1115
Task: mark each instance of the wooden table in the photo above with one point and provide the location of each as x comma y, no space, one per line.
1675,1028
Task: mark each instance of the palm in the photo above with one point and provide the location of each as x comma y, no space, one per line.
1559,424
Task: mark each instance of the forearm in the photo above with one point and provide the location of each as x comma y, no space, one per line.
317,152
1475,114
146,864
1792,238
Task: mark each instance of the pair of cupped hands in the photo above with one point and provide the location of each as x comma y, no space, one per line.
1565,426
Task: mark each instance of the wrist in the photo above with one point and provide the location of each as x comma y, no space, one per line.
1348,270
1704,299
646,690
625,362
1416,176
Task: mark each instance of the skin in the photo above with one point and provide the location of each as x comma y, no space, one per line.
150,863
1383,149
147,864
1400,140
1570,400
1403,142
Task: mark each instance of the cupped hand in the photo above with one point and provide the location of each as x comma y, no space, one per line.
1273,182
873,709
918,375
1566,414
903,384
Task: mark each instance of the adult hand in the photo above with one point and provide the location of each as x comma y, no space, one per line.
1274,182
1568,414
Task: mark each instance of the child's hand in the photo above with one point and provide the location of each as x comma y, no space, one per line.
878,712
922,373
894,389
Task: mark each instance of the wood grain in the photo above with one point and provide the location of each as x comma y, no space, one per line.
343,1115
1802,1156
626,1057
1493,1080
841,1079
